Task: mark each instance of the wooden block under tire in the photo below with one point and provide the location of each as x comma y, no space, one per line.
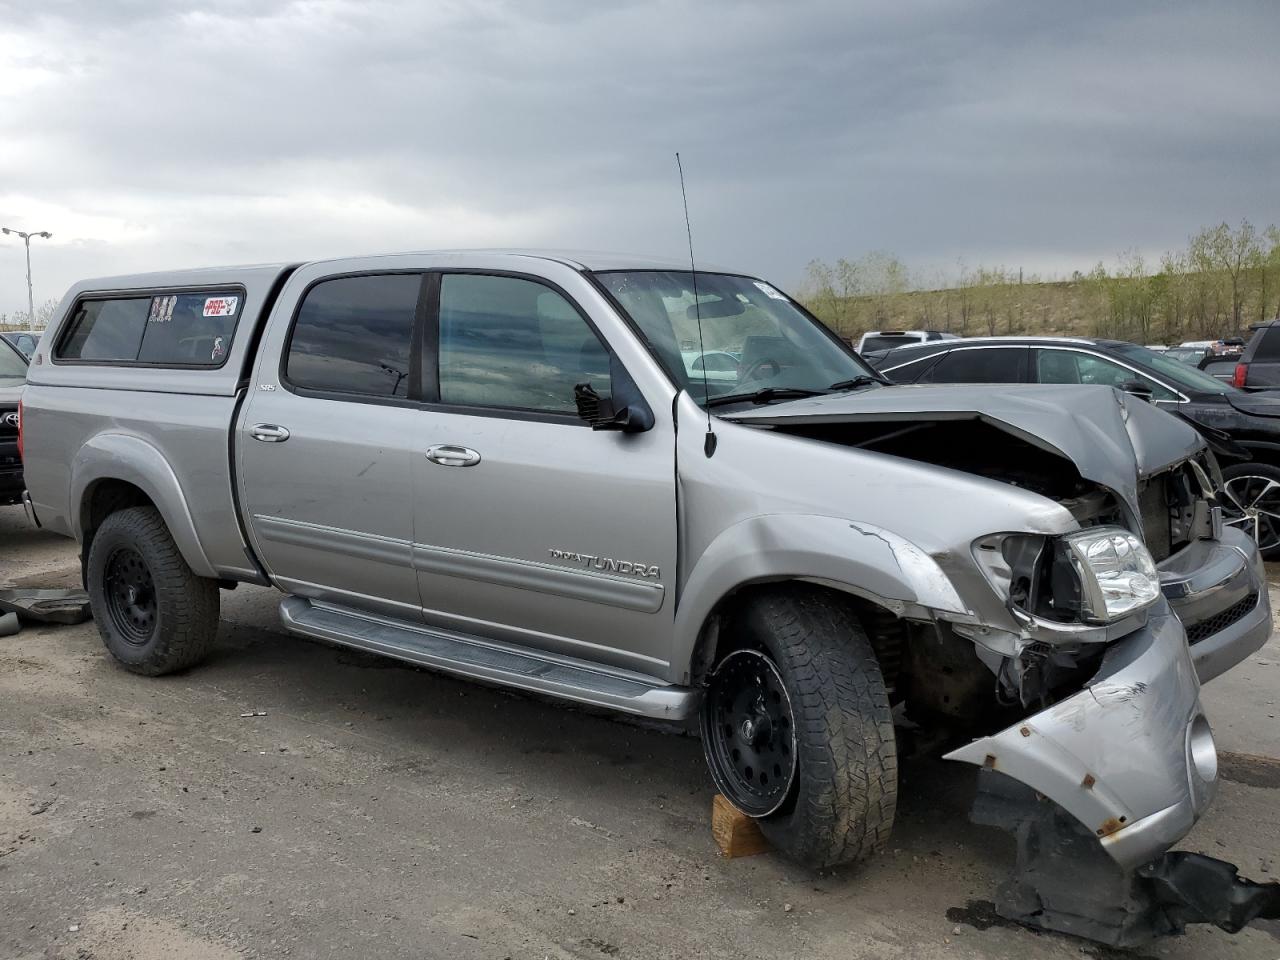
737,835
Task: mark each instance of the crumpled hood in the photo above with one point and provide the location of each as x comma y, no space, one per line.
1113,439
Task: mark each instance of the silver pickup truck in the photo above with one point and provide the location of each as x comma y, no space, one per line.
502,466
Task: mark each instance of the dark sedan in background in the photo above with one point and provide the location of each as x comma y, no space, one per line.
1251,420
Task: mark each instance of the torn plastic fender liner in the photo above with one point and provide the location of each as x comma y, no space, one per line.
1130,756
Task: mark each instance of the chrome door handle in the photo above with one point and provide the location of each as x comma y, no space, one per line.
269,433
449,455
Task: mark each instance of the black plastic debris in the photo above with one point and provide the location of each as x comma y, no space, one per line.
9,624
1064,881
46,606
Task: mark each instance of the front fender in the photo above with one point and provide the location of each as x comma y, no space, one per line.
859,557
118,456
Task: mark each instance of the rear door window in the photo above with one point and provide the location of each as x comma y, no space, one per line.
167,330
354,335
980,365
1068,366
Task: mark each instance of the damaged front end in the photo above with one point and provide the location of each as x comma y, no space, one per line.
1071,648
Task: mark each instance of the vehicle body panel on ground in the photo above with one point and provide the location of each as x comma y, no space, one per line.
503,465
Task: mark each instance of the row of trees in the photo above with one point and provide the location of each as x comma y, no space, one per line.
1225,279
21,320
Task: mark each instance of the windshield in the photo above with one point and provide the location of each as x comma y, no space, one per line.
1182,375
773,347
13,368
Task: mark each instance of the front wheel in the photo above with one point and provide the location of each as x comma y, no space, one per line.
797,728
154,614
1251,501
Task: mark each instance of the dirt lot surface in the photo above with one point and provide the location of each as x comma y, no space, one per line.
381,811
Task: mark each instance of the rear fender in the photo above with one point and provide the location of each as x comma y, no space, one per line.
117,456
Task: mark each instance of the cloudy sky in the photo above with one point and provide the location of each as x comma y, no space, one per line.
148,134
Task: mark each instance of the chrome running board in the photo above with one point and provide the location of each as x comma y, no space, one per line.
481,659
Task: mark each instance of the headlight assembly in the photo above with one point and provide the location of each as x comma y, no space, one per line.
1096,576
1117,574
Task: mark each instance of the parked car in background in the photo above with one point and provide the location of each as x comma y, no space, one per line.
1192,356
1220,368
1251,488
24,340
1259,362
550,501
888,339
13,375
714,364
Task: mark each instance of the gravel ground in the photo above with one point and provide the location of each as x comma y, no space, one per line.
381,811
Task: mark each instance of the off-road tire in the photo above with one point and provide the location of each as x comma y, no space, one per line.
844,795
186,606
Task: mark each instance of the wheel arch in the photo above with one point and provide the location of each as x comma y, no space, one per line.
1263,452
863,562
115,471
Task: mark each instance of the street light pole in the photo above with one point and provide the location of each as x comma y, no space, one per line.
26,239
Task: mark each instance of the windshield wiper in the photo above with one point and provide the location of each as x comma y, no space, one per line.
765,396
861,380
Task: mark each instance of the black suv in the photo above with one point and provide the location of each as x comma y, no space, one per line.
1258,368
13,374
1252,486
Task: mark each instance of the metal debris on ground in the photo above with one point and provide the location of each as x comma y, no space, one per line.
46,606
1065,881
254,713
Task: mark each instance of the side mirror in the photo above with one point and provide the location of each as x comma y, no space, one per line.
602,413
1137,389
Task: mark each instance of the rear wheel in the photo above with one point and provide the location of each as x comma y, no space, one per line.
1251,501
797,728
154,614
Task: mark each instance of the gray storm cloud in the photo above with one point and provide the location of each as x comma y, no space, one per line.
151,134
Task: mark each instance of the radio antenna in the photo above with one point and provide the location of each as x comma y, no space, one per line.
709,445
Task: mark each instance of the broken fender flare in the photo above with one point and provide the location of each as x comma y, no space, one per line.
1130,756
117,456
858,557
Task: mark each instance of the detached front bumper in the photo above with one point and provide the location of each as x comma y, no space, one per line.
1218,589
1130,756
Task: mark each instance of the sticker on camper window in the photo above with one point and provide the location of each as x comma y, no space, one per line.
220,306
162,309
769,291
219,349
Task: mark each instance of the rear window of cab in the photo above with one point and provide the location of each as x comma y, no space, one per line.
179,329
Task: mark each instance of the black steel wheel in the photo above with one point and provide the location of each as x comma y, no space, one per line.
798,694
1251,501
748,732
131,595
154,614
